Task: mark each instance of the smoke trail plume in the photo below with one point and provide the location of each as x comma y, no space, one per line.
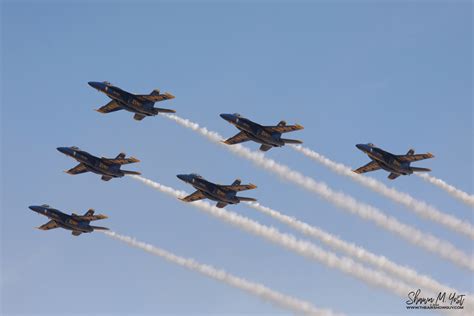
454,192
402,272
411,234
282,300
304,248
419,207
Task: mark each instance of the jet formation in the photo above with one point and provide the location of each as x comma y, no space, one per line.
107,167
140,104
267,136
222,194
78,224
397,165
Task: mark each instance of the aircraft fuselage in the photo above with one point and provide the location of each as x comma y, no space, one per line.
388,161
257,132
63,220
92,163
127,100
212,191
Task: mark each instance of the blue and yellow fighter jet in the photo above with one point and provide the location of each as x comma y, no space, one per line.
222,194
140,104
107,167
77,223
267,136
397,165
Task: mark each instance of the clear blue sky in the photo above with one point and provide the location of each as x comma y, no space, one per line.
395,74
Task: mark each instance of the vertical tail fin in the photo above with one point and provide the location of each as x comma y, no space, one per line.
90,212
237,182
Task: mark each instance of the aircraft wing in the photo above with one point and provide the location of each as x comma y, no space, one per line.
154,97
240,187
411,158
80,168
283,128
121,160
112,106
239,138
49,225
371,166
198,195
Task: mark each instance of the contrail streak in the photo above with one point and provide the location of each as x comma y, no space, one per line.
419,207
411,234
304,248
407,274
454,192
280,299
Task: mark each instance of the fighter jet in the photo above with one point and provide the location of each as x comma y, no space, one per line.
77,223
140,104
268,136
397,165
107,167
222,194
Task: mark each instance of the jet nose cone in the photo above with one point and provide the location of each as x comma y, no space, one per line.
228,117
64,150
183,177
37,209
96,85
363,147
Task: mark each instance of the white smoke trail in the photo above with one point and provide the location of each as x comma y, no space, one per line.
282,300
393,269
419,207
454,192
411,234
304,248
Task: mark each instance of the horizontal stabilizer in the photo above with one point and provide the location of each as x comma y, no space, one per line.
418,169
246,199
131,172
161,110
99,228
291,141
